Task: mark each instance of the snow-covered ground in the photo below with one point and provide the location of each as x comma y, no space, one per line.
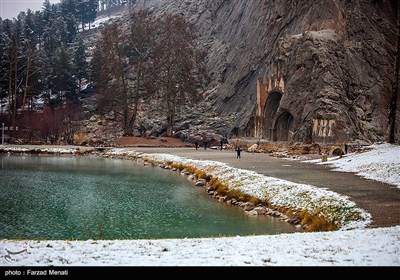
379,246
101,21
381,163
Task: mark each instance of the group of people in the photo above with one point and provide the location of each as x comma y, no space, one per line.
238,149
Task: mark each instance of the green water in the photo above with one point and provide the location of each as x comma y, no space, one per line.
85,198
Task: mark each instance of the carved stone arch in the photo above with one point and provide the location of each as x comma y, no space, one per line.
270,108
283,127
269,94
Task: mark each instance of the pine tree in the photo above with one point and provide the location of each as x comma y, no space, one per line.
86,11
30,54
47,12
80,63
91,11
15,69
68,11
5,43
63,79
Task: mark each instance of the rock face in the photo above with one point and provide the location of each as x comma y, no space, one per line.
325,67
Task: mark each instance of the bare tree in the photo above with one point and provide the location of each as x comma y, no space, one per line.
158,55
179,64
110,66
141,44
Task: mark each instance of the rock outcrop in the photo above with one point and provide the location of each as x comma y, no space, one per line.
330,63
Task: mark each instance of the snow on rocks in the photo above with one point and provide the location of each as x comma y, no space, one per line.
39,150
279,193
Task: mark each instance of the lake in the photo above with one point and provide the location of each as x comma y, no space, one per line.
80,198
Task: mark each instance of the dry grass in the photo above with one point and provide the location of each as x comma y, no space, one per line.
237,194
199,174
80,138
178,166
309,221
314,222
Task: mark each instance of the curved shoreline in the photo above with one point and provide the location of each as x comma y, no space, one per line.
298,204
359,247
315,209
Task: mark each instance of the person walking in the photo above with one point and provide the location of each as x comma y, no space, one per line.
238,150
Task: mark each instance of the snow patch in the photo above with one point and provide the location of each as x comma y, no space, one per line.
380,163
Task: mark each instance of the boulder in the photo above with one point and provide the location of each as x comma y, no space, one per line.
201,182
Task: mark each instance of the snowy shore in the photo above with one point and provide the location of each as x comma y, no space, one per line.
381,163
344,248
377,247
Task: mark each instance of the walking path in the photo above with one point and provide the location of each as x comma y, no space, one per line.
381,200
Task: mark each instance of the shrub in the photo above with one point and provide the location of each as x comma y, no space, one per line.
178,166
314,222
80,138
311,221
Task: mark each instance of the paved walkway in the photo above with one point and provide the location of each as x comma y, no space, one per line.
379,199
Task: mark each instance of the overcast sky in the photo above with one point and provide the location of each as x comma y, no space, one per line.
11,8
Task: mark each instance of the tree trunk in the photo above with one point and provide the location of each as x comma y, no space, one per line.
15,92
171,114
10,90
27,74
136,98
395,88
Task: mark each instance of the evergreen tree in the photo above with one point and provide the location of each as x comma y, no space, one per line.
15,69
91,11
47,12
30,56
86,11
5,43
80,63
63,79
39,25
37,56
68,11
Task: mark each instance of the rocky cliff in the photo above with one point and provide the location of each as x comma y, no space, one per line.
323,70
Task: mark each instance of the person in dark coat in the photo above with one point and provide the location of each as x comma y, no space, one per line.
238,150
